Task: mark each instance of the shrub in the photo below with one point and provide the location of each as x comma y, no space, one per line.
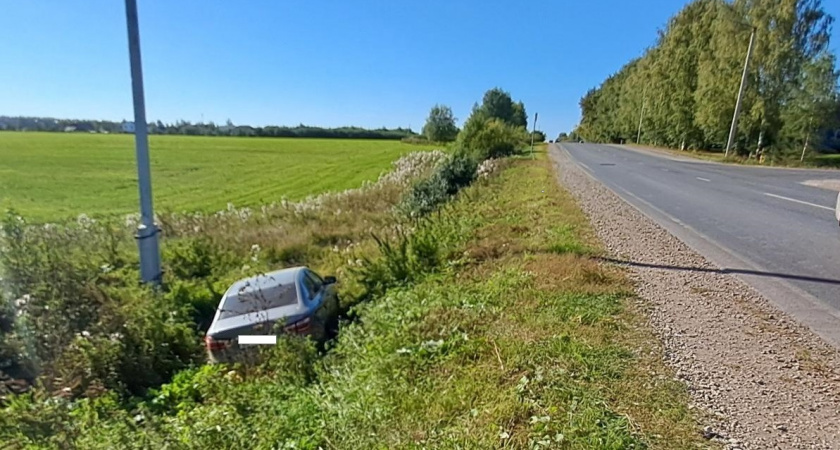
425,196
497,139
455,173
199,297
141,340
458,172
187,388
402,260
197,258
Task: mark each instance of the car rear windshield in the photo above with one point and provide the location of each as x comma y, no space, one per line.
255,300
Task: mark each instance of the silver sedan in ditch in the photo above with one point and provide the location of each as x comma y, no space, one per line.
296,299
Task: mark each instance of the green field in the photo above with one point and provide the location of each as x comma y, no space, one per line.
52,176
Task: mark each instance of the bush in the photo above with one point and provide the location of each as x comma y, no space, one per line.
497,139
484,138
199,297
425,196
141,340
402,260
457,172
197,258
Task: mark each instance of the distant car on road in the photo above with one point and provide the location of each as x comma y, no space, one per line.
296,299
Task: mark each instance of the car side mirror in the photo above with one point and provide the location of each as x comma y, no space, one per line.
330,280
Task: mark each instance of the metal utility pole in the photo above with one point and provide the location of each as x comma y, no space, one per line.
641,116
807,138
147,230
532,134
734,127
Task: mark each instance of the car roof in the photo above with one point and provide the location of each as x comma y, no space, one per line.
265,281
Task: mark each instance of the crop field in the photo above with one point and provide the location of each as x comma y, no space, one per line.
55,176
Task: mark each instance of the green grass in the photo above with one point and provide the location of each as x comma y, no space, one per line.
53,176
511,337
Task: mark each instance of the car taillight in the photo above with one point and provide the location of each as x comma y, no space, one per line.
213,344
301,326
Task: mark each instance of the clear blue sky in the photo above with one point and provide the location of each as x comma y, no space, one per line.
330,63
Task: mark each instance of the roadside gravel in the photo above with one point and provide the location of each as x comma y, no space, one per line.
762,380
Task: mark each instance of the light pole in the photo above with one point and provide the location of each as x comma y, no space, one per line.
147,230
532,134
734,128
641,116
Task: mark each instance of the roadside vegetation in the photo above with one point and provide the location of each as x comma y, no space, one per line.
812,160
681,92
474,317
95,174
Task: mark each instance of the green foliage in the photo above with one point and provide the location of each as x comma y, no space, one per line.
520,117
140,342
684,88
199,298
196,258
538,136
491,138
497,104
457,172
401,375
187,389
494,129
440,125
404,260
425,196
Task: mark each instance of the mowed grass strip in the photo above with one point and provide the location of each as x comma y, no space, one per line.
54,176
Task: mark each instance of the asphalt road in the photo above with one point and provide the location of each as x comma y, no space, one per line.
761,224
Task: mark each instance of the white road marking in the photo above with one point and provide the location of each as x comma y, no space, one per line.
704,179
245,339
585,167
798,201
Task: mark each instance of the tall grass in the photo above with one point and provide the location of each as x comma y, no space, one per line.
78,319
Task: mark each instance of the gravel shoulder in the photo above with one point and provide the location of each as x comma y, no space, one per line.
762,380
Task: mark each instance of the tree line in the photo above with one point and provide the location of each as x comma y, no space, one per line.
681,92
496,105
183,127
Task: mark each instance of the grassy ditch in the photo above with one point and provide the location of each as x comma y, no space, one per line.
509,336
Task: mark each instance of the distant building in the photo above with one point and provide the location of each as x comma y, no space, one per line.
69,129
